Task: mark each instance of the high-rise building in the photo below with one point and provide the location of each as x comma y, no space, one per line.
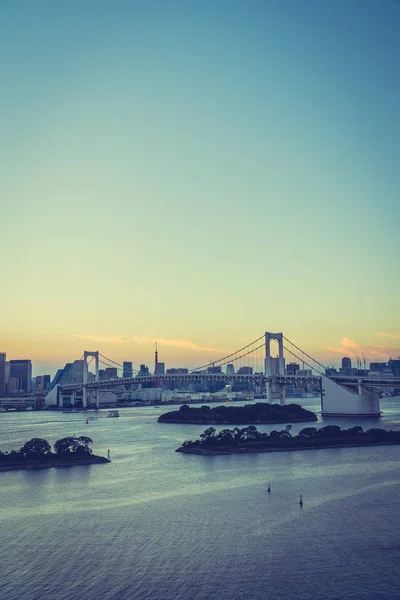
377,367
230,369
346,362
143,370
38,383
394,365
275,366
111,373
23,370
127,369
14,385
41,383
160,368
292,368
245,371
3,361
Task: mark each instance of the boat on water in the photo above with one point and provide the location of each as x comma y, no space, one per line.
113,413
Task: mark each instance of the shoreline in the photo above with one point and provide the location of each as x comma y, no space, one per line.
62,462
252,449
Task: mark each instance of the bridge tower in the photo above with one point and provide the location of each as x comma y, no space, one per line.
268,370
86,354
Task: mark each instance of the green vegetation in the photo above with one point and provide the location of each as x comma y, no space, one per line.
37,452
251,440
259,412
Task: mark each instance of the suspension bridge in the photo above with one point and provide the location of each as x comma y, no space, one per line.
267,364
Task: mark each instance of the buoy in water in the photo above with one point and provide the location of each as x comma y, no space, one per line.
269,488
301,500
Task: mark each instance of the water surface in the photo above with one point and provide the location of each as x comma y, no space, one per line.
156,524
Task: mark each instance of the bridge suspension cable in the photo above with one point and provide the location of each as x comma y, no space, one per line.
305,354
108,362
303,361
241,356
217,362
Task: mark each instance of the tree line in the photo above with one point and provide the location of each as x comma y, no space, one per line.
40,449
306,437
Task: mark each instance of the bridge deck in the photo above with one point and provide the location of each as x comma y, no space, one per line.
255,378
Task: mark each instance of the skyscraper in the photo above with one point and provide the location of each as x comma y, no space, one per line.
2,374
292,368
111,373
127,369
346,362
23,370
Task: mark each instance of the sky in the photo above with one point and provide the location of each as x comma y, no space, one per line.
198,172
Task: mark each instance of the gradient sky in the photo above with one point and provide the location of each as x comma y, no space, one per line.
199,172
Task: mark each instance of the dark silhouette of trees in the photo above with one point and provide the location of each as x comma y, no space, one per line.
38,450
308,432
330,431
259,412
73,445
353,431
35,448
208,436
310,437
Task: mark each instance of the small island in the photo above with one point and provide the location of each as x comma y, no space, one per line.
259,412
249,439
37,454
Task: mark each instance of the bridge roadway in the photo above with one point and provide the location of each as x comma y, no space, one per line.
255,378
366,382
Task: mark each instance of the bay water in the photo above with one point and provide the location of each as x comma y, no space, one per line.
159,525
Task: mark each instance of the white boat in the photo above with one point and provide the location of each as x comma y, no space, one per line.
113,413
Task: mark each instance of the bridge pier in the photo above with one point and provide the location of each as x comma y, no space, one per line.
84,397
95,355
341,401
282,389
268,368
268,390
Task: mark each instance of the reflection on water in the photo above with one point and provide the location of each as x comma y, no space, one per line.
156,524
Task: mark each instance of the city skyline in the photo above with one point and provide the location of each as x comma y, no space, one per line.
197,175
333,356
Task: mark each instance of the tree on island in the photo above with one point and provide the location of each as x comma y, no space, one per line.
307,432
73,445
35,448
208,436
310,437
